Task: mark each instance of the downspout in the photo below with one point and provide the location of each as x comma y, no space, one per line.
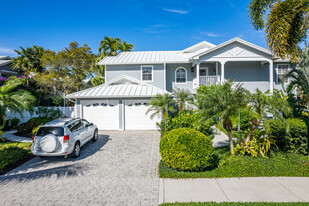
164,77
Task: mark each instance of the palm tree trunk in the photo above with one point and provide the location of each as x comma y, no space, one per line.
229,133
250,133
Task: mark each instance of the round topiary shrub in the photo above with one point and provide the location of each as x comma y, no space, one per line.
186,149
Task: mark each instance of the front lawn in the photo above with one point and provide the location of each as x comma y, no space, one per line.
277,164
13,154
237,203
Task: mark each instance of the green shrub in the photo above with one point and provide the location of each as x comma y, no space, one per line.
35,129
25,129
186,149
14,123
291,135
185,119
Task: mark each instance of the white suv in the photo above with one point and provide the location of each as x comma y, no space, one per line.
62,137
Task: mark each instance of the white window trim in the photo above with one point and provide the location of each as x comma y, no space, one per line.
151,73
277,69
176,76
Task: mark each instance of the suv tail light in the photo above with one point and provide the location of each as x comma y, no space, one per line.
33,139
66,138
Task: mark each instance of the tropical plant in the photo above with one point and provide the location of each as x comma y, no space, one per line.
285,23
97,80
110,46
299,75
222,102
28,60
14,98
182,96
260,104
161,104
259,144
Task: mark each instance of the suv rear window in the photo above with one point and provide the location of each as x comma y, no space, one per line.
57,131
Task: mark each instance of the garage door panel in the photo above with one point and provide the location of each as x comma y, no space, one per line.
136,117
103,113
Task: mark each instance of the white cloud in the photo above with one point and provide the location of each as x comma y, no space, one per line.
6,51
210,34
179,11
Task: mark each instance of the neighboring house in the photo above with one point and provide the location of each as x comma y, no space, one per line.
132,78
5,67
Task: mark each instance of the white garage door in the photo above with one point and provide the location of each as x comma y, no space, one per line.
103,113
135,116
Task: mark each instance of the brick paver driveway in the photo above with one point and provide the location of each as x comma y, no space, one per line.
119,169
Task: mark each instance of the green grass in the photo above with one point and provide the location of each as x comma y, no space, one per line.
277,164
12,154
237,203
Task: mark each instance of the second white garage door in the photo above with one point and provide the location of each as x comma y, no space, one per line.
135,117
103,113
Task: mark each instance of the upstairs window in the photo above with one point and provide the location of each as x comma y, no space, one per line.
282,70
147,73
181,75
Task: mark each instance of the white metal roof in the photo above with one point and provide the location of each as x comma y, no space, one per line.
123,86
5,60
145,57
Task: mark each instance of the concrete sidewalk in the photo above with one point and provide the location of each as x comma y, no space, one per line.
251,189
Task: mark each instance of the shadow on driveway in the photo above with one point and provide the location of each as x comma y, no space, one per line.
39,163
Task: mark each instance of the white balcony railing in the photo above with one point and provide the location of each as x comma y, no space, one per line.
210,80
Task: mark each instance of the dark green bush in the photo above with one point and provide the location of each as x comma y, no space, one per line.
185,119
290,135
25,129
14,123
186,149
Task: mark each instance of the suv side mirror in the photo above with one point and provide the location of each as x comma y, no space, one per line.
90,124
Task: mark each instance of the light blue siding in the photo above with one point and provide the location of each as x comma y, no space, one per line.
170,77
134,71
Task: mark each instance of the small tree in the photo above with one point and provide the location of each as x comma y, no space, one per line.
182,96
223,102
161,104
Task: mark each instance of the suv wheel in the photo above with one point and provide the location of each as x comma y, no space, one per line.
76,150
95,136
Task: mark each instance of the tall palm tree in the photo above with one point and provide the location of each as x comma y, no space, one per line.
223,102
124,46
28,59
109,46
289,18
14,99
161,104
182,96
261,103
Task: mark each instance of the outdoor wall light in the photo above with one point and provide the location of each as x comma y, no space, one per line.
192,69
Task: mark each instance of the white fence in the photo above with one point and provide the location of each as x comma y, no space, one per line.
66,112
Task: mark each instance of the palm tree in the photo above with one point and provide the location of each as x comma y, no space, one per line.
28,59
260,104
182,96
126,47
14,99
109,46
223,102
289,18
299,75
161,104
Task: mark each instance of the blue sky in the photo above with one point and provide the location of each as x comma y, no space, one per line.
148,25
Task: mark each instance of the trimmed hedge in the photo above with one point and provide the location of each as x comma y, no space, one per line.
25,129
186,149
291,135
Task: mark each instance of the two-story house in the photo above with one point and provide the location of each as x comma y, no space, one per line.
132,78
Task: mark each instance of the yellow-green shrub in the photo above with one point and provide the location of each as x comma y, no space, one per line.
186,149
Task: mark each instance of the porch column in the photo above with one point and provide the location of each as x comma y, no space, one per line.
222,71
198,74
271,77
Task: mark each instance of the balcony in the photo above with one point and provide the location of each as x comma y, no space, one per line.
210,80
